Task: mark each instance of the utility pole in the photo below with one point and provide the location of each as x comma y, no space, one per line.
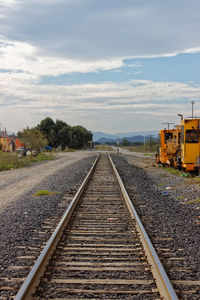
117,147
144,144
150,143
149,136
168,124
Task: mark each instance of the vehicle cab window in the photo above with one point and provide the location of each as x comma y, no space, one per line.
168,136
192,136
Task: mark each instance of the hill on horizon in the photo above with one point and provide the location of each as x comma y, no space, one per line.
103,137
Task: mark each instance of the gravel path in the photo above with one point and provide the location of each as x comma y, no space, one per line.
22,220
170,216
16,182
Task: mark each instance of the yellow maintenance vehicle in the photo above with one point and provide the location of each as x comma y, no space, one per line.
190,144
169,147
180,147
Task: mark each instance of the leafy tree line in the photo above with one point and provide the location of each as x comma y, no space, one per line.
56,134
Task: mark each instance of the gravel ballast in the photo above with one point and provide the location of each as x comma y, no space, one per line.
166,215
21,221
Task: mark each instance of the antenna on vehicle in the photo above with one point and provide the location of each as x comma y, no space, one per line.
192,102
168,124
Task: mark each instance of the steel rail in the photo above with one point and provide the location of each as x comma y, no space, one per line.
33,278
162,281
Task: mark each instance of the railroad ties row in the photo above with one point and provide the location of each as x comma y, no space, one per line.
100,254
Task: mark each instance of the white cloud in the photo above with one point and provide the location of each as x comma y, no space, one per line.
102,30
89,103
18,56
97,94
52,38
8,3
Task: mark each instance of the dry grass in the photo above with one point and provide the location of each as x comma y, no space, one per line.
12,161
140,148
194,201
161,184
104,148
194,180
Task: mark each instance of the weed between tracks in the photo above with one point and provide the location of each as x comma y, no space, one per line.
44,193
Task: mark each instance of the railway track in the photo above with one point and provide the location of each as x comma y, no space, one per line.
99,250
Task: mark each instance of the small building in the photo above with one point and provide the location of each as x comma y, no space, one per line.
4,144
9,143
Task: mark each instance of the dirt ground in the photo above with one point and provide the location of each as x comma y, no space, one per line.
141,160
14,183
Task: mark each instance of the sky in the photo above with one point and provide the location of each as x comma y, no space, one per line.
111,66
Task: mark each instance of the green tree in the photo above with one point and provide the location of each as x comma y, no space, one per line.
81,136
32,138
65,136
59,133
125,143
46,126
55,137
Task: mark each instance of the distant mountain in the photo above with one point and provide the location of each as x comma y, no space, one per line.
104,140
137,138
102,137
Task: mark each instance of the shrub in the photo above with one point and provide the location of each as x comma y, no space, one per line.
44,193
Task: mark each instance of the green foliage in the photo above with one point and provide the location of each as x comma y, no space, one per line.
63,135
32,138
172,171
44,193
180,198
46,126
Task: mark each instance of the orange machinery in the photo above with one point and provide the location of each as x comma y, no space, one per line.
169,147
